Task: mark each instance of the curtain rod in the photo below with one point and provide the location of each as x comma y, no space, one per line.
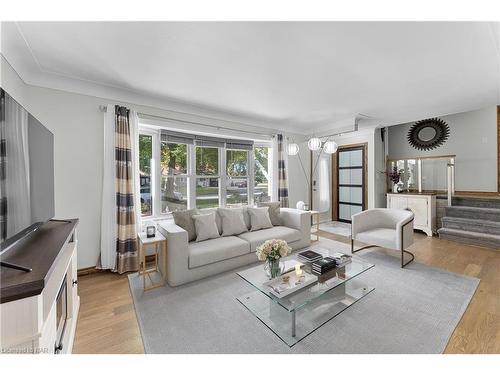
103,108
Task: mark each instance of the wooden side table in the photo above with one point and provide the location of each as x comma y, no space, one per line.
160,246
315,231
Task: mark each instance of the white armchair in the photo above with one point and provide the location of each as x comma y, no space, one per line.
384,227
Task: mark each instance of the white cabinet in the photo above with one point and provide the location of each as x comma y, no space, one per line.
30,324
423,207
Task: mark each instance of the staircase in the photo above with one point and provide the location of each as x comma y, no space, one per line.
474,221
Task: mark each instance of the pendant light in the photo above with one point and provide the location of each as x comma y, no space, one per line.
293,149
314,144
330,147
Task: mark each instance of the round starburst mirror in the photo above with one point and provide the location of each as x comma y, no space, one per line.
428,134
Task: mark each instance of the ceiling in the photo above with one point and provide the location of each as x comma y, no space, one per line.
300,76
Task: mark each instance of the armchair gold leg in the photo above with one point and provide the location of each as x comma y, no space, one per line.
403,264
361,248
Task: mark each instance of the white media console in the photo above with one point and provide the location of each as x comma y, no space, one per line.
39,309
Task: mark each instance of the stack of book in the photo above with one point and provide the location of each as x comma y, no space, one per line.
324,265
309,256
341,259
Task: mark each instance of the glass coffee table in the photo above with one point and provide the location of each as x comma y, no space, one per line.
297,315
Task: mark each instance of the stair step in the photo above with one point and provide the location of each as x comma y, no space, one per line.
477,213
471,225
471,238
476,202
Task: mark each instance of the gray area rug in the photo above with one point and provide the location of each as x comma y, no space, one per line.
336,227
411,310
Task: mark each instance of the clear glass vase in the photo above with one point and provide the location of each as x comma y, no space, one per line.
273,268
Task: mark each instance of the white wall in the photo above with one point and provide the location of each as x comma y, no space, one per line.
379,163
298,187
473,139
77,124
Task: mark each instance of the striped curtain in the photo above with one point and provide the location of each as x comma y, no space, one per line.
126,241
3,170
282,173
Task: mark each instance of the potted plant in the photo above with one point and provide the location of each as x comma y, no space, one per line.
395,177
271,252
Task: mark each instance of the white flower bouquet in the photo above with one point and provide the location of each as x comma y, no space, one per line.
271,252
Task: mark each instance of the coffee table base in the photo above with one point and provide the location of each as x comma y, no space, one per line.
291,327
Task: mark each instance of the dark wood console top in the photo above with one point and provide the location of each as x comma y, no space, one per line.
39,251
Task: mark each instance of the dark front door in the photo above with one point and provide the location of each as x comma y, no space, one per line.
351,182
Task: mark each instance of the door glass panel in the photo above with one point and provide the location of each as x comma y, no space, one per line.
356,195
344,194
351,182
350,194
356,209
351,176
344,212
344,176
345,159
357,176
356,158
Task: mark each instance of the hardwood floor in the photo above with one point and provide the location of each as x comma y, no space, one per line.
107,322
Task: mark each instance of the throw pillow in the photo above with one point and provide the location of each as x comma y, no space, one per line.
185,221
259,218
206,228
274,211
232,221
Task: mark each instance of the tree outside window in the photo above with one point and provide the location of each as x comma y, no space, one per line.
173,164
237,177
207,188
261,160
145,156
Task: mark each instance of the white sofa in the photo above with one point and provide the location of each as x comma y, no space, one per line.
189,261
384,227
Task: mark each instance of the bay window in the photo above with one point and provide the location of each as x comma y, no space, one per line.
179,171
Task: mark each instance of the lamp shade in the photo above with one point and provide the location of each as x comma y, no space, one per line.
314,144
293,149
330,147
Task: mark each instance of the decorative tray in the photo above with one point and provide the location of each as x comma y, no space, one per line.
289,283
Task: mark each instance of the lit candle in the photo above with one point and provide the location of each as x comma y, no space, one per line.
298,271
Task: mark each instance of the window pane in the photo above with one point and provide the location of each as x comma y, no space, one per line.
236,163
173,193
237,191
261,190
173,159
207,161
145,156
207,192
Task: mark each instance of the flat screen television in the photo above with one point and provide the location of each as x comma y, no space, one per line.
26,172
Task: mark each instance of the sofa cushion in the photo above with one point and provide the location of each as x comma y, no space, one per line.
232,221
274,211
184,219
259,218
216,250
280,233
383,237
205,227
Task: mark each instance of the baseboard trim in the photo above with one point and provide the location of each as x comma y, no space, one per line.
91,270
